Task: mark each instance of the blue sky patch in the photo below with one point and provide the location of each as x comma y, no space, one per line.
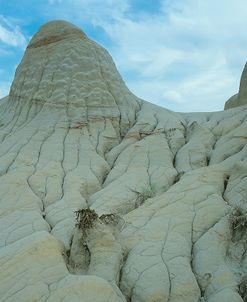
186,55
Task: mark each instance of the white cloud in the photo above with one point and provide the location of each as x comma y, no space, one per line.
93,11
11,34
188,57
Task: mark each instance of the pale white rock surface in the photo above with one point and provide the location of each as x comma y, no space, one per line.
169,190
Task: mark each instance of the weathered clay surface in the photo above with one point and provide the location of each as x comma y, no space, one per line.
74,137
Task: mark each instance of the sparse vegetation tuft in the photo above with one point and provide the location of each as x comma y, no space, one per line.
85,219
238,221
242,288
109,218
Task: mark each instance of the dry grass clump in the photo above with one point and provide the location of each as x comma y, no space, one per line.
85,219
238,221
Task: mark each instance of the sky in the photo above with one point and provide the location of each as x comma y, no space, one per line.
185,55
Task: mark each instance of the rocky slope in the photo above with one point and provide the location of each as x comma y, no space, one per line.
106,197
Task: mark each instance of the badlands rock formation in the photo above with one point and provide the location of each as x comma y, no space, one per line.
106,197
240,98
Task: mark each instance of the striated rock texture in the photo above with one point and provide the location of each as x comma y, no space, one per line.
106,197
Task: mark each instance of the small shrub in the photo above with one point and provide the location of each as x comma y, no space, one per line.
238,221
85,219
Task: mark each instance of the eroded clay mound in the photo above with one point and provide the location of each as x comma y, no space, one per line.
239,99
106,197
